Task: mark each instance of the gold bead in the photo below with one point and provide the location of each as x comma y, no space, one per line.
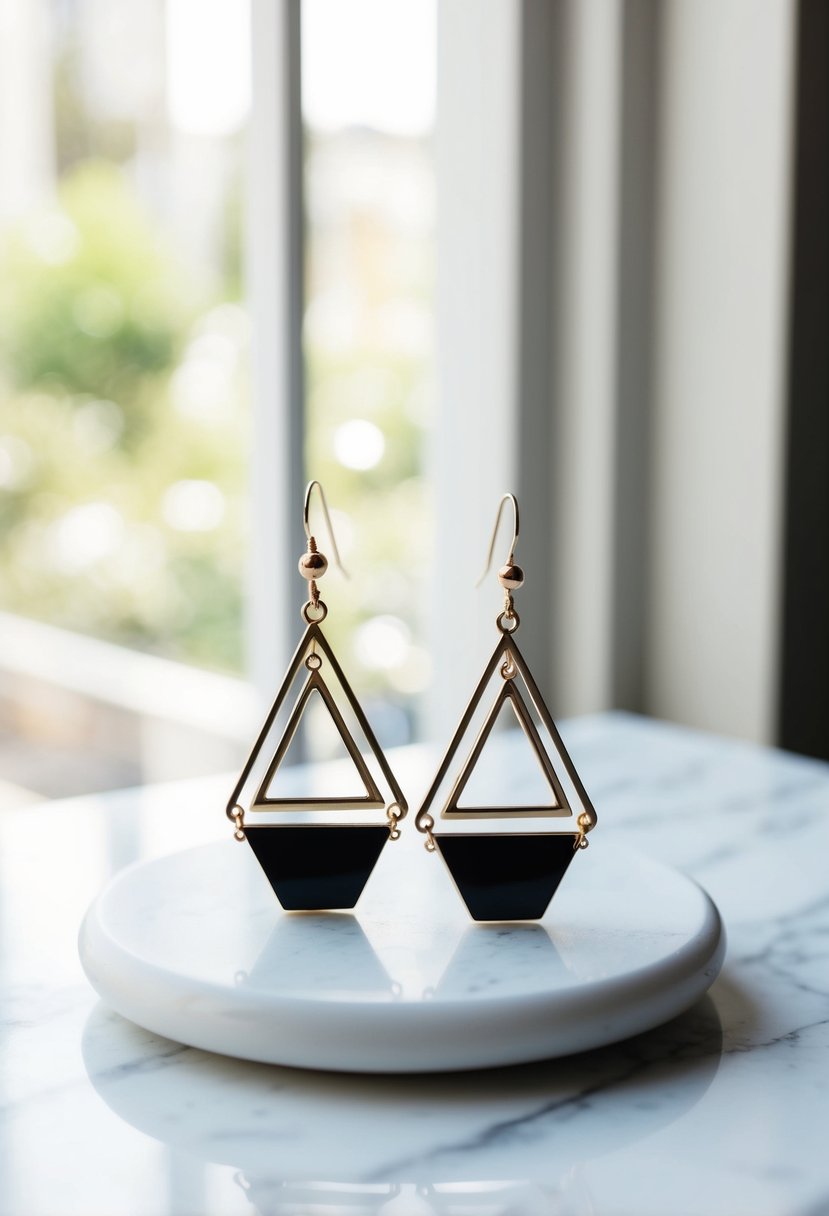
312,565
511,577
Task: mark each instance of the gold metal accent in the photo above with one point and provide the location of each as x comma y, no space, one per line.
314,642
314,613
511,577
312,564
312,544
425,823
515,523
581,841
238,817
393,817
508,620
510,833
311,651
559,807
508,658
371,800
506,652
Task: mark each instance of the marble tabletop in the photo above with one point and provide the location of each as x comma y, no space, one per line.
723,1111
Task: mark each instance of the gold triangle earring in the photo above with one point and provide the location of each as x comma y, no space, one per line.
513,874
314,865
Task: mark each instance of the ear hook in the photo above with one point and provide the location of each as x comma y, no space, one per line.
311,541
511,557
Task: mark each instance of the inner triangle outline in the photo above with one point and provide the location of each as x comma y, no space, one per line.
371,800
506,648
559,806
314,638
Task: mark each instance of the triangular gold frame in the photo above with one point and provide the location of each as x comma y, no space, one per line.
371,800
314,641
507,651
558,808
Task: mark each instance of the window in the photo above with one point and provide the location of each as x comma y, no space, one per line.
126,437
368,108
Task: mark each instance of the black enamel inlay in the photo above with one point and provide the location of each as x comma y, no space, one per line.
312,868
507,877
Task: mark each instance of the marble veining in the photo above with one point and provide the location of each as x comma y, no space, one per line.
722,1112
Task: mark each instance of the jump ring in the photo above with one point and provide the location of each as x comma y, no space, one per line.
394,813
508,623
237,814
313,614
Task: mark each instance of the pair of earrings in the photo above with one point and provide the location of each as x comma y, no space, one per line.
500,875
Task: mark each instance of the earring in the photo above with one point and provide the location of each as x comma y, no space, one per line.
313,865
508,875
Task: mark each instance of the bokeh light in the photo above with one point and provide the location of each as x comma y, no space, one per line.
359,444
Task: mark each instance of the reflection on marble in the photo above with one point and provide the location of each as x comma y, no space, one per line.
722,1112
458,1135
473,967
331,947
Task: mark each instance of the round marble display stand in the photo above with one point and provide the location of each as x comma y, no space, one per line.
194,947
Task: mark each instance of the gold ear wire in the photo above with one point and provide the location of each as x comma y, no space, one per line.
312,565
469,856
339,877
510,576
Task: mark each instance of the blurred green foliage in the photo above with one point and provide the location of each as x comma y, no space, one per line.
92,303
124,441
121,463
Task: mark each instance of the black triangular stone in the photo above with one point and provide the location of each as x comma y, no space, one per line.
312,868
507,877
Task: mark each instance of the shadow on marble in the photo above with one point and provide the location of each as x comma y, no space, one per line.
741,1016
455,1140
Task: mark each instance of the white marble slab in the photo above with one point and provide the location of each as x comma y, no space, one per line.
195,947
721,1112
